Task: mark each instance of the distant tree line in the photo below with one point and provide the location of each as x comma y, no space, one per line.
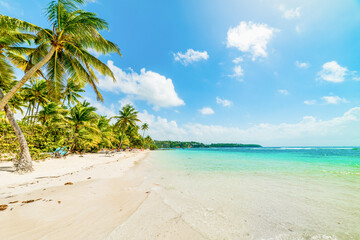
179,144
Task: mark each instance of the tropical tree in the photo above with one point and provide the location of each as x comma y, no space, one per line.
144,128
106,130
61,51
37,95
83,119
12,38
52,113
71,92
127,117
64,48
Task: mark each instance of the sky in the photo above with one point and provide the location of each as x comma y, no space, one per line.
274,72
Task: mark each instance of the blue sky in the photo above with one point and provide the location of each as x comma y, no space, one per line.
269,72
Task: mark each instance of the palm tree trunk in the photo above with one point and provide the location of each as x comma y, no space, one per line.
122,136
27,111
32,113
26,77
36,113
24,163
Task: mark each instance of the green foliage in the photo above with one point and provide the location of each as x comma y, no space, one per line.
54,116
178,144
78,128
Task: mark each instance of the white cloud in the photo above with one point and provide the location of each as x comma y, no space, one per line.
310,102
101,109
190,56
338,131
206,111
146,85
333,72
161,128
302,65
250,37
126,101
238,60
283,91
223,102
290,13
334,99
238,72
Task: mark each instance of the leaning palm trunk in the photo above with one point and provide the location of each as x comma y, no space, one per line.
26,77
23,164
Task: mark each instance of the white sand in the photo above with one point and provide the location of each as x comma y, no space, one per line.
100,198
54,172
110,198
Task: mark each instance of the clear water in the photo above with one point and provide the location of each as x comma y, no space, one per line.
264,193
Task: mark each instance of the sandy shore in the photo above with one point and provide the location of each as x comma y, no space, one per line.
107,198
99,199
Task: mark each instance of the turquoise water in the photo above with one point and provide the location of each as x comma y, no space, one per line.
264,193
340,162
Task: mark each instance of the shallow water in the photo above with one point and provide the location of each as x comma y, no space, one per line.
263,193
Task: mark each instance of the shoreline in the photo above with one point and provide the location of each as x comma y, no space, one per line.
88,201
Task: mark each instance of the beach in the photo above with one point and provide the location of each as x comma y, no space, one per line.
183,194
87,197
76,198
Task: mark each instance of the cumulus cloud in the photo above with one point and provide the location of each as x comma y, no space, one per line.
302,65
238,72
334,99
333,72
146,85
238,60
125,101
190,56
206,111
283,91
309,131
160,128
250,38
223,102
101,109
290,13
310,102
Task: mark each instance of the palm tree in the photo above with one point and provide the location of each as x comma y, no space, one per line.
71,92
37,95
63,49
144,128
107,134
12,38
83,119
23,164
52,112
127,117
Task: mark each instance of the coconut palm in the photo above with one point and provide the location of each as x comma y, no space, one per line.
144,128
127,117
83,119
107,134
52,113
37,95
23,164
71,92
63,49
13,34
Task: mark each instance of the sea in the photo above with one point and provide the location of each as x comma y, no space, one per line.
278,193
